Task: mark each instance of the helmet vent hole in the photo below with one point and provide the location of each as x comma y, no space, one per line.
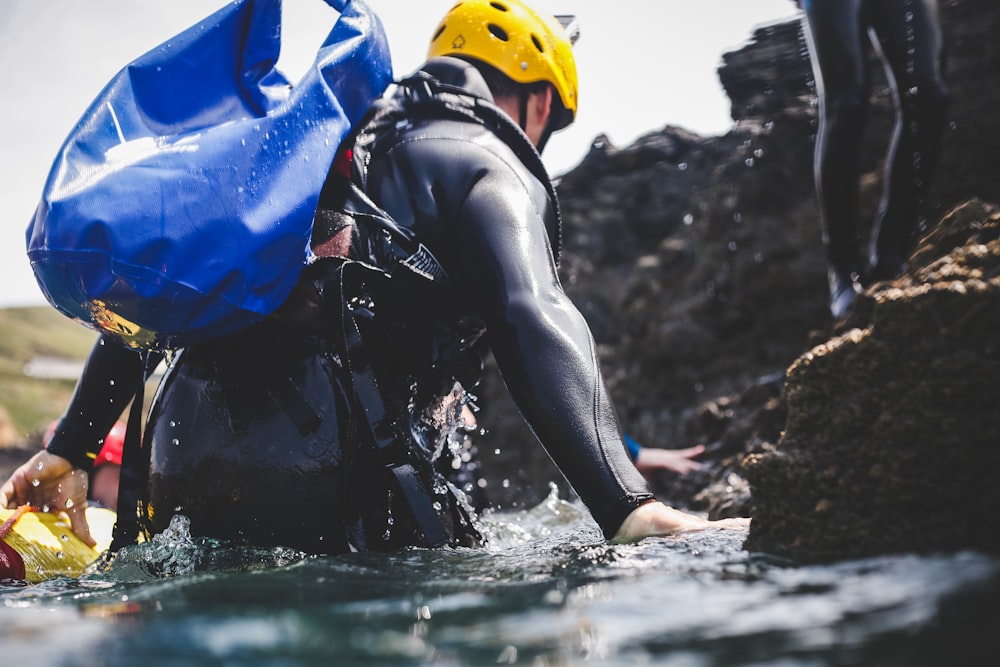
438,33
538,43
498,32
499,6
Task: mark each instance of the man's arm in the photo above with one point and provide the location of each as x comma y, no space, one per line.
542,343
56,478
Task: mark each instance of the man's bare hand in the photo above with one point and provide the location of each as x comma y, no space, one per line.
656,519
678,460
50,483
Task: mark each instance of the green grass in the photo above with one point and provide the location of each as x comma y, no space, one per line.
26,333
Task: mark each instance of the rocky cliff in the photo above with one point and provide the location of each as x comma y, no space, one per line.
699,265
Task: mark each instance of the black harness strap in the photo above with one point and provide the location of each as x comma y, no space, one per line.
385,429
133,487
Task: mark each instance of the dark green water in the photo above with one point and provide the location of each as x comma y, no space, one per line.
547,592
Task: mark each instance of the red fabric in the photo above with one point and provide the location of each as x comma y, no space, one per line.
111,452
11,563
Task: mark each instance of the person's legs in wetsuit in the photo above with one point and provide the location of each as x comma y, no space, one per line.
836,45
909,42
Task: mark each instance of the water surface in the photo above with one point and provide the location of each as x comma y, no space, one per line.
547,591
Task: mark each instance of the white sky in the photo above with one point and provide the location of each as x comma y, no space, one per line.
642,64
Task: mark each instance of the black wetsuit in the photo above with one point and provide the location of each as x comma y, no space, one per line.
908,38
259,436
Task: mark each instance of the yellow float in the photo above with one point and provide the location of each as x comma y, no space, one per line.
46,544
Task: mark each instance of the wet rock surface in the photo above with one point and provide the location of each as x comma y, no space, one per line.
698,263
892,425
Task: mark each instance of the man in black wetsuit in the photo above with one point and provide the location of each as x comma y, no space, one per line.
907,38
336,424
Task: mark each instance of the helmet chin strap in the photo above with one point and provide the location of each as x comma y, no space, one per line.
523,120
523,109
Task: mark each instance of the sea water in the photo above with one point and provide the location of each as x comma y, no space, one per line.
547,591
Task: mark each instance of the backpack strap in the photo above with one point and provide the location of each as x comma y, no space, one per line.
385,429
133,486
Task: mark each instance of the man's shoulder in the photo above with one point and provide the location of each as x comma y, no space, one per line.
454,142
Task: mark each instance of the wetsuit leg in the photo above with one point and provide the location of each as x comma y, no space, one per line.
910,44
835,34
246,442
255,439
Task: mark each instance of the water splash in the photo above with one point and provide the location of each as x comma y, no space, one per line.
174,553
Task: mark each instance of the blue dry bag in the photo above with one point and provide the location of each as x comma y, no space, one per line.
180,207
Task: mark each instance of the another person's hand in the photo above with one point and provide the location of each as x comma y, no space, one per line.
51,483
677,460
656,519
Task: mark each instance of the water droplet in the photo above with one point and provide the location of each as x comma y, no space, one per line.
35,482
69,503
175,442
688,219
64,537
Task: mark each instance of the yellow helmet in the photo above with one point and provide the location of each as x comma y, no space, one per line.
515,39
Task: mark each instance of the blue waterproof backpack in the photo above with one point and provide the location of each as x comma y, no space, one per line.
180,207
